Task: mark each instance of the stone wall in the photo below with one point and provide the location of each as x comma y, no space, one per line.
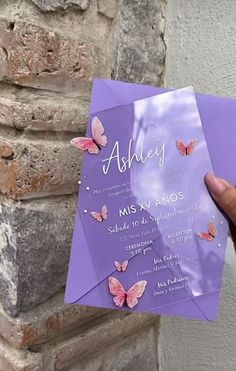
50,50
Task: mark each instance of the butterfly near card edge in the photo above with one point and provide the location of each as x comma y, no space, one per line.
211,234
93,144
100,216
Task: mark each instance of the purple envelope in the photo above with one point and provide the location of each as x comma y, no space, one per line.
85,284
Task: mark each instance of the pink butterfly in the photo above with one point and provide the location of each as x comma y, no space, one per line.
122,297
121,267
186,150
92,145
100,217
211,234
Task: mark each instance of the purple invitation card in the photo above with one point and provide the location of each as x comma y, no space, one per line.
152,236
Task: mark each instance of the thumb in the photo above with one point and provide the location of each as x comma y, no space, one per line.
224,194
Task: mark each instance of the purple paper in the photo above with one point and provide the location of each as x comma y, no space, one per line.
158,208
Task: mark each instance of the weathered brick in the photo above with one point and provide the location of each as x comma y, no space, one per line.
108,7
57,54
47,321
35,168
140,24
13,360
97,338
35,240
28,110
37,57
133,353
47,5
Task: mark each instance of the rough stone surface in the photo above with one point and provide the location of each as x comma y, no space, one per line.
35,242
97,338
46,72
74,338
37,57
30,111
134,353
141,25
108,8
49,53
47,321
13,360
47,5
35,168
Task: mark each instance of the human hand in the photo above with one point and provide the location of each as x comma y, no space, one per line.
225,196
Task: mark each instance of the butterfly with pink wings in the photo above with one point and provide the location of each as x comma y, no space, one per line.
100,216
92,145
130,298
121,267
211,234
186,150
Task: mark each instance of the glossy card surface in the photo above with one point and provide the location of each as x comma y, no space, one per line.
148,237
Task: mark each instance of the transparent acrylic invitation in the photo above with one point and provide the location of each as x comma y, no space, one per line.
148,236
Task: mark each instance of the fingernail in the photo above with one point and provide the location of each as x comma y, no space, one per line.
215,185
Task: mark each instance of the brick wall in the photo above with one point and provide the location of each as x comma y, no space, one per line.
49,53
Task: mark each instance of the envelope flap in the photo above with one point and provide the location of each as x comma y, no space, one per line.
107,94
